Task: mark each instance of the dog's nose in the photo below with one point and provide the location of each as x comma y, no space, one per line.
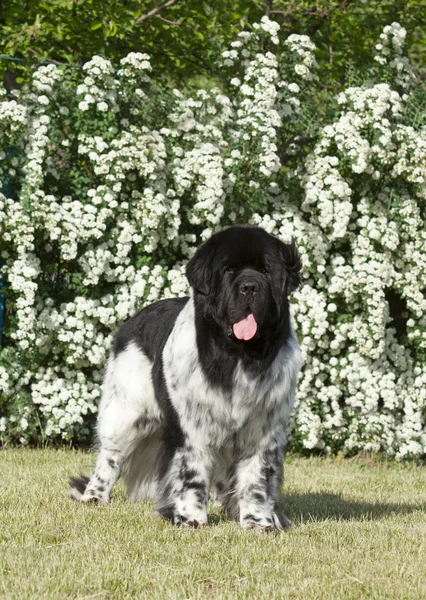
248,287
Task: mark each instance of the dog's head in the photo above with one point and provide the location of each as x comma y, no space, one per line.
242,277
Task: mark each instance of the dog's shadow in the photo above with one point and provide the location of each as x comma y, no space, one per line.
324,506
317,507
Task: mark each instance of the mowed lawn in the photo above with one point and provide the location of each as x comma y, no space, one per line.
359,532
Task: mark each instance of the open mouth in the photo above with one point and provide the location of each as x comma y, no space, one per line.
246,328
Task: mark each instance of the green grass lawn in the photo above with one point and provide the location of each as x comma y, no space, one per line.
359,532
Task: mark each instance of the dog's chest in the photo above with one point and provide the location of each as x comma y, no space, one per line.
213,415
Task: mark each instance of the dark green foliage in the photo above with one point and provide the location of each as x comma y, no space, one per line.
185,37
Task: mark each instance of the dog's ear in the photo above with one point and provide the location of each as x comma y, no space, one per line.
292,266
199,269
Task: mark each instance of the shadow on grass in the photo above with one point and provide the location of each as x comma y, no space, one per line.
323,506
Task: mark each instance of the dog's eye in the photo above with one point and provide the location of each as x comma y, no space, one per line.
229,270
264,270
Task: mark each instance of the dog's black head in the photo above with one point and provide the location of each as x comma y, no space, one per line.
242,277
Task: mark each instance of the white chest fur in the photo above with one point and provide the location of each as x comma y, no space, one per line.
211,415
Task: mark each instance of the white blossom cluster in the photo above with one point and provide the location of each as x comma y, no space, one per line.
104,217
302,54
391,53
360,313
135,68
99,88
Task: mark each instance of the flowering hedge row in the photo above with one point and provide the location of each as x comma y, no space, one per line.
117,180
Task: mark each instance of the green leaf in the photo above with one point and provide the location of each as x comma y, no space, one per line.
95,25
112,30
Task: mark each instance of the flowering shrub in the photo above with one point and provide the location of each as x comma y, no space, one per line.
116,181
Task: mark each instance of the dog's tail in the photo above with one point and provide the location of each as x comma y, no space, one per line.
77,487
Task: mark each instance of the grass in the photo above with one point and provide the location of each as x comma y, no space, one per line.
359,532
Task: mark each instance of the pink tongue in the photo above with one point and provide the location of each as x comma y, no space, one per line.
245,329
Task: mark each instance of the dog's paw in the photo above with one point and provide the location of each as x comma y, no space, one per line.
181,521
95,499
275,521
84,491
89,497
192,521
266,526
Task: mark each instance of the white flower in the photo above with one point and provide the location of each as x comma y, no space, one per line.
302,70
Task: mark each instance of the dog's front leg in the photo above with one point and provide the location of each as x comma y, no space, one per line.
257,487
183,488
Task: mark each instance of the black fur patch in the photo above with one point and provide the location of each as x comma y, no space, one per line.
79,483
150,327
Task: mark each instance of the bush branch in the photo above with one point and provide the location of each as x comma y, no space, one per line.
156,10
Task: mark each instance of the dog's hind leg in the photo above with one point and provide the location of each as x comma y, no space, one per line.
98,486
127,414
117,437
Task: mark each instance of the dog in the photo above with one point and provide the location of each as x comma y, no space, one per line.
198,390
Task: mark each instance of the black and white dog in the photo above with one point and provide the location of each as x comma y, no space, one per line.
198,390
